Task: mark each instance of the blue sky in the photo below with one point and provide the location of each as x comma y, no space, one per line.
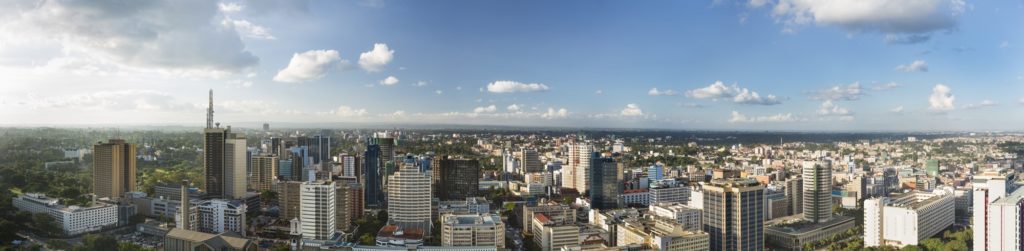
745,65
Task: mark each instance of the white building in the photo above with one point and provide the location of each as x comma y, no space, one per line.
472,230
905,219
235,167
1004,227
317,210
217,216
348,165
669,191
988,186
73,219
409,197
688,217
639,196
582,168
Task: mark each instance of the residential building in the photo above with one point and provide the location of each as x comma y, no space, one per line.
114,170
409,200
264,172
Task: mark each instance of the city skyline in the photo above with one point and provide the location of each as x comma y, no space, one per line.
721,65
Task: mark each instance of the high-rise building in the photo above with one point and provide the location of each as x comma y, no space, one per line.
606,177
387,147
224,159
734,214
219,216
988,186
906,219
531,161
264,172
409,197
235,161
817,176
213,160
584,153
113,172
1007,218
345,204
669,191
317,210
320,149
795,193
472,230
656,172
349,167
288,199
372,179
455,179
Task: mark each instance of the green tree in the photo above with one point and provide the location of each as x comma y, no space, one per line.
367,239
932,244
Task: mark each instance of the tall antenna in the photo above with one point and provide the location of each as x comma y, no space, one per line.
209,112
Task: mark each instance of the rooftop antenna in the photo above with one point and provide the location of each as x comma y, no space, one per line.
209,112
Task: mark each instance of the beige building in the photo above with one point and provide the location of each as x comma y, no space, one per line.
184,240
409,194
288,199
554,234
552,210
472,230
264,172
235,161
660,233
113,172
344,206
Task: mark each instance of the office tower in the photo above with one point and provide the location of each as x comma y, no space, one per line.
669,191
284,168
795,194
584,156
264,172
113,172
656,172
932,167
510,163
606,177
213,160
472,230
266,127
349,167
455,179
186,214
318,210
345,204
988,186
906,219
409,197
387,147
817,176
552,210
1004,233
734,214
276,148
320,149
235,162
553,234
531,161
372,179
288,199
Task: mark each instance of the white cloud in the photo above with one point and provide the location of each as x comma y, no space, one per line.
656,92
599,92
307,66
840,92
398,113
982,104
163,35
438,92
898,109
828,108
632,110
483,109
346,111
248,29
513,108
737,117
915,20
757,3
916,66
506,86
230,7
941,99
137,100
420,83
886,86
375,60
390,80
552,113
718,90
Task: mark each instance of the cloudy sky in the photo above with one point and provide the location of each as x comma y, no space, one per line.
724,65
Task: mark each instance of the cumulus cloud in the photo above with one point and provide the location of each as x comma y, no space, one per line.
140,100
886,86
390,80
840,92
420,83
941,99
828,108
599,92
248,29
375,60
507,86
916,66
163,35
905,20
738,117
307,66
898,109
438,92
483,109
656,92
513,108
347,111
982,104
632,110
553,113
718,90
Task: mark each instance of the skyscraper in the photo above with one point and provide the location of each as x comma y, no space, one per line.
371,179
455,179
317,210
531,161
224,159
817,179
213,160
113,172
264,172
606,177
409,197
320,149
734,214
989,186
235,162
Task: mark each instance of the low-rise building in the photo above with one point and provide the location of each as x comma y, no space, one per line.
688,217
553,234
905,219
185,240
792,232
73,219
635,197
472,230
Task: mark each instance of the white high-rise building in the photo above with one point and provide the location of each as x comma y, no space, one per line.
409,193
906,219
582,168
348,163
217,216
988,186
317,210
817,202
235,161
1006,219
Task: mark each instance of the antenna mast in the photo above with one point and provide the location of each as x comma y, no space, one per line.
209,112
